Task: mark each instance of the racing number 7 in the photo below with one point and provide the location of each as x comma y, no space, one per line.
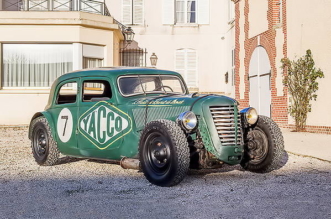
65,125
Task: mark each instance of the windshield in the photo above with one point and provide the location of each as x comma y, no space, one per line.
141,84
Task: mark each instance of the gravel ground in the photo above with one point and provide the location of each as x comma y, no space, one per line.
81,188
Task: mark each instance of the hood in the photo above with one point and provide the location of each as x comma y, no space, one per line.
182,100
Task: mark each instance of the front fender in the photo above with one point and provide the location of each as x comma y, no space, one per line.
49,120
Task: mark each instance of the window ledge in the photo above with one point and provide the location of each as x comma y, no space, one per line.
278,26
186,25
19,90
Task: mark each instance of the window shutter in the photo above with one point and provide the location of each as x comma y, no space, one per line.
203,11
127,11
138,11
180,62
186,65
191,68
168,7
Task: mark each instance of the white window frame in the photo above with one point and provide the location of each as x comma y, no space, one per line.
186,12
231,11
132,20
27,89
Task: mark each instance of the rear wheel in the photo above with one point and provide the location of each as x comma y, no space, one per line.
44,148
164,153
264,148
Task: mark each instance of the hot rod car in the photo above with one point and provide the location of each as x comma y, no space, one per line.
145,118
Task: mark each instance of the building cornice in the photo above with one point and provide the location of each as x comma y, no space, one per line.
57,18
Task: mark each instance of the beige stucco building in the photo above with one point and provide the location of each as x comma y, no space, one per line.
267,31
195,38
40,42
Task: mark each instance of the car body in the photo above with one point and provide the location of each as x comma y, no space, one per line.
110,114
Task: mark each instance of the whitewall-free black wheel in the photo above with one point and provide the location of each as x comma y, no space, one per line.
44,148
164,153
264,147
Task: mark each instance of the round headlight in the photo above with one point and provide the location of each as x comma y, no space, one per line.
251,116
187,120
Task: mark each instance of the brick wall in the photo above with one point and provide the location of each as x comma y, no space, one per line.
267,40
279,112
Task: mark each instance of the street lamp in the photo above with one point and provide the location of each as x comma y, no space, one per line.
128,35
153,59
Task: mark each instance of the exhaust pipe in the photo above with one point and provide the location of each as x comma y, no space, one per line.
129,163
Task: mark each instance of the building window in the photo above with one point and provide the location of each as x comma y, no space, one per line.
133,57
35,65
231,12
92,62
132,11
185,11
278,10
186,64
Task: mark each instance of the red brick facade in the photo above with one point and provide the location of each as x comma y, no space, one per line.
276,16
267,41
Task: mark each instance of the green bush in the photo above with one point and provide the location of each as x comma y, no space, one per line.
300,77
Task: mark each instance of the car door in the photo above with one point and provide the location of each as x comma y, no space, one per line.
101,123
64,113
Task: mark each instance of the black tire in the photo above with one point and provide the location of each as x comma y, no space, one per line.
44,147
164,153
264,149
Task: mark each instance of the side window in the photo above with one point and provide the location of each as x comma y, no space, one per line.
67,93
96,90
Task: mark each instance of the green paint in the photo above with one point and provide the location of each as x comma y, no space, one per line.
124,117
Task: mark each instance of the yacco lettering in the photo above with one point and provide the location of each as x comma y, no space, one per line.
102,124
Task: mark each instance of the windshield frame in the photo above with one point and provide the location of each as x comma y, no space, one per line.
183,85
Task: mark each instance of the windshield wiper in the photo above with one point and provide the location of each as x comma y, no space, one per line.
141,84
162,85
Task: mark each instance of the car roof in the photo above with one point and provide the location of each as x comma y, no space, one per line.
115,72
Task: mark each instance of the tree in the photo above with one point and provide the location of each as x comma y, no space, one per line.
302,85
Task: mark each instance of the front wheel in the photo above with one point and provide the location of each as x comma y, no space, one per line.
264,147
164,153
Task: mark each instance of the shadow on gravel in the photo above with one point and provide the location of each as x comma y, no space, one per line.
65,160
283,161
227,168
224,169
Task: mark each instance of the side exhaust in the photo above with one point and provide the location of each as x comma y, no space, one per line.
129,163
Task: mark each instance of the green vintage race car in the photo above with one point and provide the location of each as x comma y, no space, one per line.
145,119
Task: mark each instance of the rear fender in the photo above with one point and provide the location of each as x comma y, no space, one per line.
49,120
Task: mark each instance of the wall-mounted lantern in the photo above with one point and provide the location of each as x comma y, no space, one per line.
153,59
128,35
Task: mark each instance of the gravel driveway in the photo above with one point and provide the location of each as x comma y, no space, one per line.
81,188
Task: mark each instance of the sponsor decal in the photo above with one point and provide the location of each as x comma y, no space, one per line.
158,102
103,124
64,125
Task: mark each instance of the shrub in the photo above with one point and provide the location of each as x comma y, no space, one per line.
302,85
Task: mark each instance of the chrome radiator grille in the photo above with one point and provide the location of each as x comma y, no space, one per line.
224,120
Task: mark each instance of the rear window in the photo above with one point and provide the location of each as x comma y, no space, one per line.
67,93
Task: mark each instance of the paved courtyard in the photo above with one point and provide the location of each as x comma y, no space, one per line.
81,188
